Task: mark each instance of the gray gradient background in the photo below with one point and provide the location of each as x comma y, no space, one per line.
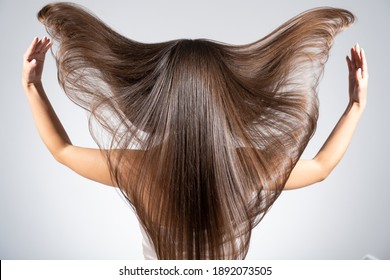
48,212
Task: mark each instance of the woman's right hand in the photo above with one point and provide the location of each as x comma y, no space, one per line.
33,61
307,172
358,76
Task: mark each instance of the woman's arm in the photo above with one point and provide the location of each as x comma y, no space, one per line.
90,163
49,127
307,172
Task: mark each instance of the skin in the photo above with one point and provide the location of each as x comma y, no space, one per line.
92,163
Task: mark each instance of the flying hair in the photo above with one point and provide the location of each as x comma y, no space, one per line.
216,129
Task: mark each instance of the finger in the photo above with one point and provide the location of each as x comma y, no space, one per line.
47,46
357,48
30,65
349,63
353,57
41,45
358,55
364,64
31,48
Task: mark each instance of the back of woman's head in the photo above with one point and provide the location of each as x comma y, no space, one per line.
218,128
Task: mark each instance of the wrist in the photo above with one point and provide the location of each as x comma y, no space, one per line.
27,85
358,107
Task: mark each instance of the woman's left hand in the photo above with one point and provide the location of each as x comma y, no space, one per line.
358,76
33,61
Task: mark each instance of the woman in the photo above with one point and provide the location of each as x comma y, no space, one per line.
200,136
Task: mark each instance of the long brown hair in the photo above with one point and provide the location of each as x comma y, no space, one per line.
215,128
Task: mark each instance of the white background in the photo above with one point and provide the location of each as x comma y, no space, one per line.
48,212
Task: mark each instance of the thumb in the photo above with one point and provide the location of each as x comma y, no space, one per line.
33,64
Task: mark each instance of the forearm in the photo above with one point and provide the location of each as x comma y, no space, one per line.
307,172
48,125
338,141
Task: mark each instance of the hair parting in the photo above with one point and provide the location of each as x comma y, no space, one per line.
217,127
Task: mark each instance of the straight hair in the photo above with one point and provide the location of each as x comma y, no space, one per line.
216,129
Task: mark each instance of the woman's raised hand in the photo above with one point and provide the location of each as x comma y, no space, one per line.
358,76
33,61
